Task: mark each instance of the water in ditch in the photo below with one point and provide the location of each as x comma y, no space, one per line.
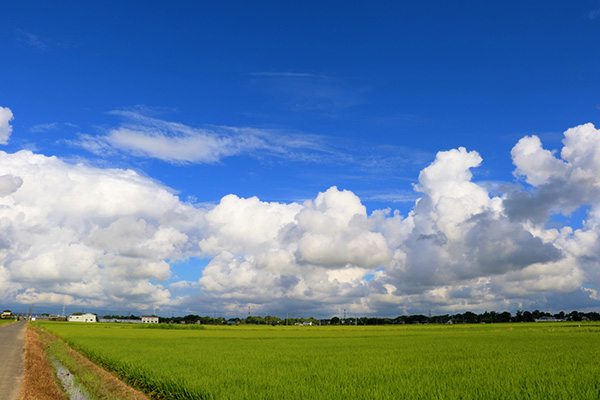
74,390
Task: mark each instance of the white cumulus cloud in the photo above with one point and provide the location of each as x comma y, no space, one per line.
97,235
6,116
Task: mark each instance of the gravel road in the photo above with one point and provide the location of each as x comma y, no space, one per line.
12,342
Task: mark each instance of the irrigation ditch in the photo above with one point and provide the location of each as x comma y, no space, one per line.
55,371
73,389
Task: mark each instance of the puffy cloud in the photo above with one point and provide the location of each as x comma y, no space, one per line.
562,185
8,288
582,151
6,116
458,237
368,249
435,244
537,165
333,230
86,235
312,252
245,225
79,234
450,197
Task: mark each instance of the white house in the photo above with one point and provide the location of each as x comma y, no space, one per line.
149,319
82,318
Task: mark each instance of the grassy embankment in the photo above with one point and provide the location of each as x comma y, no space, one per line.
502,361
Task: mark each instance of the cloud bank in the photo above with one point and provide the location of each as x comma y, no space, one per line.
97,237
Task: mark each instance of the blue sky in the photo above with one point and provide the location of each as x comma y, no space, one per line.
282,102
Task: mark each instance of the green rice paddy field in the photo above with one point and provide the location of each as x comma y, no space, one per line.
6,321
500,361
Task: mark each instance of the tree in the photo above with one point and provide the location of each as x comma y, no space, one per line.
256,320
272,320
574,316
470,317
504,317
593,316
519,316
191,319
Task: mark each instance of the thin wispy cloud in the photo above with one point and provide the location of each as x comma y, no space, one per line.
140,135
283,74
144,136
390,158
39,42
389,196
32,40
304,92
595,13
399,120
50,126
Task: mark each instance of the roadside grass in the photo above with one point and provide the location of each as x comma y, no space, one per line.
99,384
501,361
6,321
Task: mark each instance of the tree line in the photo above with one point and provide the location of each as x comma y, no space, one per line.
459,318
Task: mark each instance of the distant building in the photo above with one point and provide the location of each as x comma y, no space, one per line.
6,314
50,317
149,319
120,321
548,319
87,317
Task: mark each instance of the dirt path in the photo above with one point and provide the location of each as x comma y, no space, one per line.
12,359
